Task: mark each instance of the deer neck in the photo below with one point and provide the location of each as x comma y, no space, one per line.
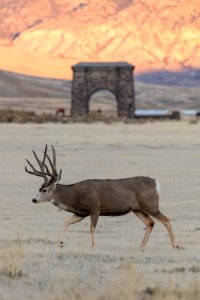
62,197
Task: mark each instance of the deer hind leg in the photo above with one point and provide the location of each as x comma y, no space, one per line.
73,219
94,219
148,221
165,221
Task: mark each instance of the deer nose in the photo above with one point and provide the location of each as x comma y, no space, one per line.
35,201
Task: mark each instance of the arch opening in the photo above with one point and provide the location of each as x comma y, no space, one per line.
103,102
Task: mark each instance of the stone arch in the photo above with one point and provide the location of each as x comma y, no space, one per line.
114,77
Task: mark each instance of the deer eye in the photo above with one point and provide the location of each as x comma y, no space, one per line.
44,191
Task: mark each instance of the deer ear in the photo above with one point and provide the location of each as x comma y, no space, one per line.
59,176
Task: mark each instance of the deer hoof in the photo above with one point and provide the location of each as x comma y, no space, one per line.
60,244
179,247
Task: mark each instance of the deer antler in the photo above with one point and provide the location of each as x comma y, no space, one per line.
52,164
44,171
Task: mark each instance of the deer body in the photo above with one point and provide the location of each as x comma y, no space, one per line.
107,197
101,197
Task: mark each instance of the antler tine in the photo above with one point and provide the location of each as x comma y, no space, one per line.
45,154
31,166
40,163
43,162
47,170
52,165
54,158
35,172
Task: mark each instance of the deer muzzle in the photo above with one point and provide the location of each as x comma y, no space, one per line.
35,201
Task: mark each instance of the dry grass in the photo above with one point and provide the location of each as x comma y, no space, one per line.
22,116
11,259
80,274
31,265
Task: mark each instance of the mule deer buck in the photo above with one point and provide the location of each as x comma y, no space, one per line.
96,198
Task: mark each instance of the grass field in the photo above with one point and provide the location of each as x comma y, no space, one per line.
31,265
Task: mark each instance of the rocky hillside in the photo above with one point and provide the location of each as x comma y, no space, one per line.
46,37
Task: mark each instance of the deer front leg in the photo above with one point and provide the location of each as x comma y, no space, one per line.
73,219
94,219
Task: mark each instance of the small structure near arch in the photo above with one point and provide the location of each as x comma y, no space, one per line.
116,77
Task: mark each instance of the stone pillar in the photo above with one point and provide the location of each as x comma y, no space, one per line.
125,94
79,94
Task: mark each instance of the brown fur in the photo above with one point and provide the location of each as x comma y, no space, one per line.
109,197
113,198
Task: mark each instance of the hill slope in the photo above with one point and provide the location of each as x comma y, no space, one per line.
45,94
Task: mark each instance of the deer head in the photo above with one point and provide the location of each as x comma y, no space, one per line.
51,178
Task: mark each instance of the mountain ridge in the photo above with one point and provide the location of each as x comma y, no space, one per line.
47,37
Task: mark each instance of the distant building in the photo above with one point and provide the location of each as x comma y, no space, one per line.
116,77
